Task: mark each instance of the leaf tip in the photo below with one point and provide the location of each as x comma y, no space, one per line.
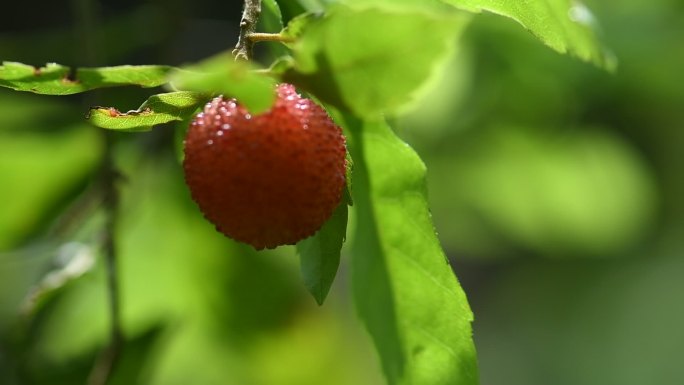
320,298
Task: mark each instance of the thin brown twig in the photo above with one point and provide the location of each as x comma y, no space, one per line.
107,359
87,14
248,24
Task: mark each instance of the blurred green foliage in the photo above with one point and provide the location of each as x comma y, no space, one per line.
555,187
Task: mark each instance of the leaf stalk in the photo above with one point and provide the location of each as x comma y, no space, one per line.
257,37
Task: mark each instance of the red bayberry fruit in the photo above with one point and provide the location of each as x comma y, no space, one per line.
270,179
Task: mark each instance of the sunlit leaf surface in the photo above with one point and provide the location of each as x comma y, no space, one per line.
372,59
404,288
55,79
158,109
567,26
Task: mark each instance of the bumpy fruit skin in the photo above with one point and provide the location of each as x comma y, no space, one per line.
266,180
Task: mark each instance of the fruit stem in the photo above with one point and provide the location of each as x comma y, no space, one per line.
257,37
248,24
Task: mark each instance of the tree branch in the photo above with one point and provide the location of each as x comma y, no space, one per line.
107,359
248,24
87,16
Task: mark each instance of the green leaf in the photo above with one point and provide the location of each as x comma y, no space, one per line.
281,65
320,254
404,288
290,10
297,25
567,26
348,170
55,79
312,5
369,60
221,74
158,109
271,16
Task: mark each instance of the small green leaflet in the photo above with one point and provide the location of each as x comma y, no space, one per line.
221,74
567,26
158,109
320,254
55,79
298,24
405,291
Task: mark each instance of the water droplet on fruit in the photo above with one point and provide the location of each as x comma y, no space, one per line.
226,126
248,116
210,142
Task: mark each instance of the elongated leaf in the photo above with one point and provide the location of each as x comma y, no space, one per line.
404,289
55,79
158,109
349,169
271,16
221,74
567,26
369,60
320,254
